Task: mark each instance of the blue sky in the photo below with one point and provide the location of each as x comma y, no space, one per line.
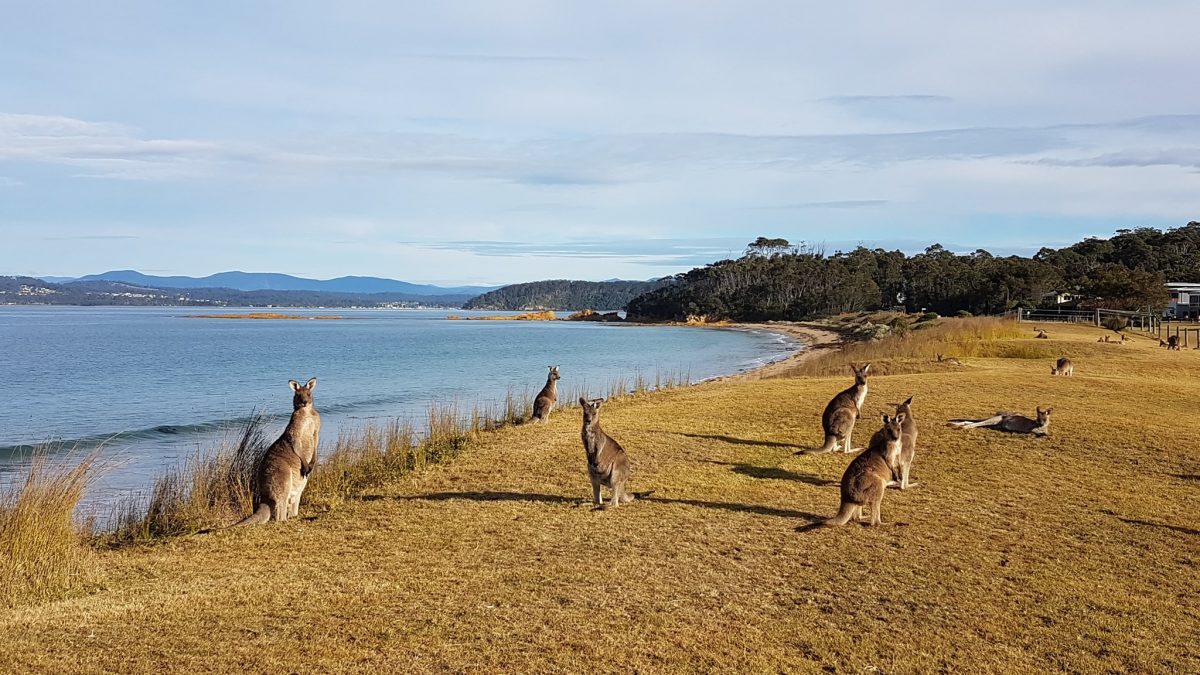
498,141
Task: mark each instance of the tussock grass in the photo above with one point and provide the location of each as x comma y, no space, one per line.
917,350
1076,552
208,490
43,555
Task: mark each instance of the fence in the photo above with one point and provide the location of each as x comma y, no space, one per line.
1143,321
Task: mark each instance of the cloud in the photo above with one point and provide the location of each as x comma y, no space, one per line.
1183,157
653,252
845,204
896,98
119,152
93,237
496,58
6,182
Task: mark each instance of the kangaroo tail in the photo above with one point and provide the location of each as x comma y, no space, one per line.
842,517
630,496
261,515
830,441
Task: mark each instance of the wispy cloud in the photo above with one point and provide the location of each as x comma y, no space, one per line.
894,98
1183,157
114,151
844,204
496,58
93,237
639,251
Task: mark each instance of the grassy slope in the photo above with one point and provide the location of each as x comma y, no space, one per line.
1078,551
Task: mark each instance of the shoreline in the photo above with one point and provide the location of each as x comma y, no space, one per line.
814,341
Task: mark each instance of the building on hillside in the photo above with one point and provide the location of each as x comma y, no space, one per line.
1185,301
1055,298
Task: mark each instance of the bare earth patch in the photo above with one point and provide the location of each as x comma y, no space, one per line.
1076,552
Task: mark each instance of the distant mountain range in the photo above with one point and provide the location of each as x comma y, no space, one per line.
30,291
265,281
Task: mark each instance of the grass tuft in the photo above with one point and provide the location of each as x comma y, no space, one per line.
44,554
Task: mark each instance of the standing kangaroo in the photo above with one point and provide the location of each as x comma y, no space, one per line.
1063,367
546,398
1017,424
608,465
842,412
283,471
908,441
866,479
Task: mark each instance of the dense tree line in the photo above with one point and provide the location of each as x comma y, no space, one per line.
776,280
562,294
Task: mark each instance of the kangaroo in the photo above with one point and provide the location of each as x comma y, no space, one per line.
1161,342
608,465
546,398
1017,424
841,413
949,359
1173,342
284,469
1063,367
908,442
865,480
1041,335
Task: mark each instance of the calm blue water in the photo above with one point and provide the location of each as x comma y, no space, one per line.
151,386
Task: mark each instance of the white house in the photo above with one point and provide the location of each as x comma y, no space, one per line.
1185,301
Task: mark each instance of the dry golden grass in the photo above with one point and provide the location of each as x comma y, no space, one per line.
43,555
1075,552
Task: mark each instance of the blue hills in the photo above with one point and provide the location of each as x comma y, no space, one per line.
266,281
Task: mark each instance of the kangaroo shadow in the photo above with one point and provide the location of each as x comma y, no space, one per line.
481,497
742,441
1146,523
1187,476
775,473
739,508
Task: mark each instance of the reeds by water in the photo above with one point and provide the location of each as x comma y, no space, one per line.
43,555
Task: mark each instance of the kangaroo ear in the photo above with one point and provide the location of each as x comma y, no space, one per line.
899,418
311,384
909,401
294,385
583,402
866,368
885,418
599,402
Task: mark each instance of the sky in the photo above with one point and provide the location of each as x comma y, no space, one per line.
502,141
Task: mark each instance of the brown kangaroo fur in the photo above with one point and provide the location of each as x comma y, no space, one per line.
284,469
546,398
908,442
866,479
1017,424
1063,367
841,414
608,465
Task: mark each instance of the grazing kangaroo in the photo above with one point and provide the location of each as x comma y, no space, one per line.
608,465
1173,342
1017,424
1063,367
908,442
546,398
842,412
866,479
283,471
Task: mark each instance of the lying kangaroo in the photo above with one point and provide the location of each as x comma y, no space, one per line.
949,359
842,412
908,442
283,471
865,480
546,398
1041,335
1063,367
608,465
1017,424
